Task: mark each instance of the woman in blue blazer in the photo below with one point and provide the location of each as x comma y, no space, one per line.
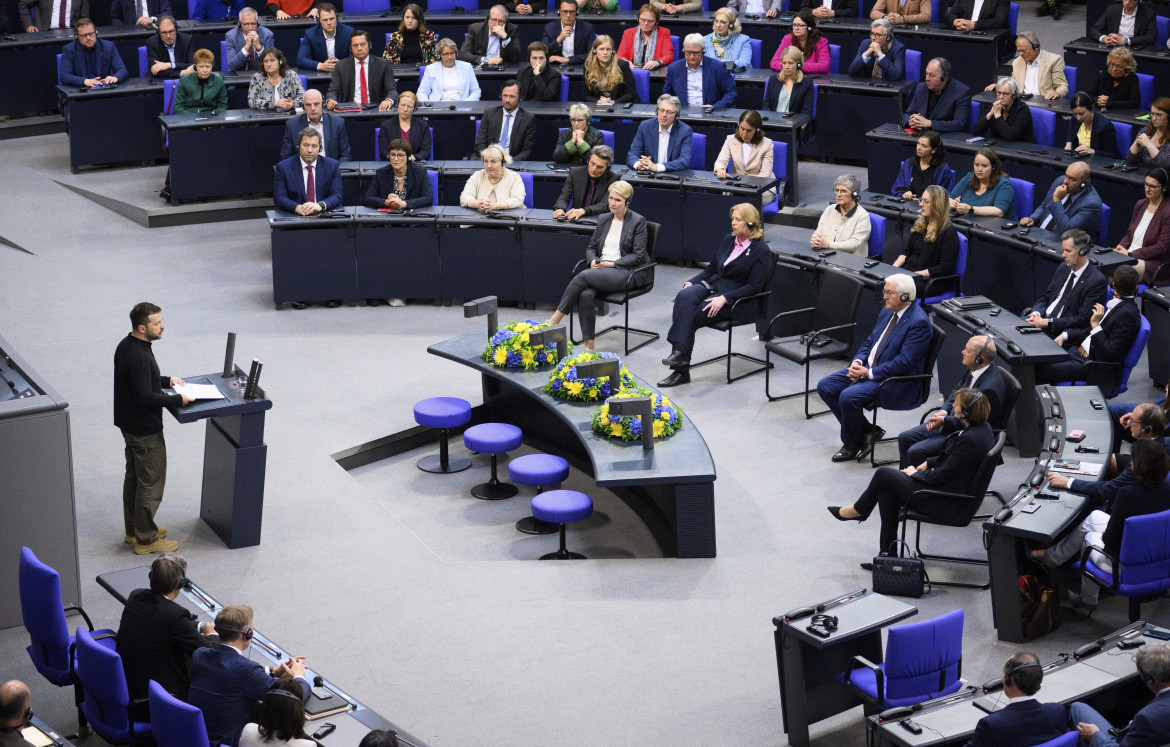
401,185
1088,133
449,79
405,127
791,86
951,471
927,166
727,42
740,269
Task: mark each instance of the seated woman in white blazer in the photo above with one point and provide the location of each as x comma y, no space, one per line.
747,152
449,79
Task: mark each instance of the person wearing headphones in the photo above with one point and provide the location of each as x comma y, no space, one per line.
157,636
740,269
933,248
226,685
1023,721
1076,287
616,251
921,442
882,57
927,166
1147,493
280,720
1097,350
748,152
844,224
952,471
88,61
897,346
1087,132
938,103
1151,725
790,91
1006,119
246,41
1071,202
1121,414
1148,236
15,713
1037,72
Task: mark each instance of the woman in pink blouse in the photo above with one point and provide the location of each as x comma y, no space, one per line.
808,40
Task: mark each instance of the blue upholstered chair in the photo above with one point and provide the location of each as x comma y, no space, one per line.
1146,89
877,235
443,413
1070,74
1131,359
674,44
1044,125
562,507
1124,133
528,188
539,471
564,88
50,645
607,137
1141,570
223,58
173,722
1103,226
780,169
494,439
642,85
143,67
834,58
948,286
1163,24
914,62
757,52
698,151
434,177
1024,194
923,661
1065,740
107,703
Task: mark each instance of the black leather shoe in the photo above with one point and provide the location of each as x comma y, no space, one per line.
298,305
676,378
1057,12
1043,10
836,512
165,194
333,303
867,567
865,450
373,302
677,358
846,454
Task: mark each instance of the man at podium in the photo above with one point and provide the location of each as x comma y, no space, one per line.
138,404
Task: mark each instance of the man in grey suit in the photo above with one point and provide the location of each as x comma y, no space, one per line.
508,125
492,41
247,41
334,138
68,14
362,79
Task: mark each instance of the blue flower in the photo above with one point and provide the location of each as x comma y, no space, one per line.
636,427
556,384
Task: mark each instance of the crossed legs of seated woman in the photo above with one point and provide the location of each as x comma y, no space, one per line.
582,291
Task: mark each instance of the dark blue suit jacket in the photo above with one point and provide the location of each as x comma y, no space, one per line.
903,353
718,85
313,49
1081,211
1149,727
950,114
678,154
1022,724
801,101
336,137
125,12
288,189
1119,328
893,65
227,686
215,10
745,276
1086,292
992,385
582,40
109,63
1103,493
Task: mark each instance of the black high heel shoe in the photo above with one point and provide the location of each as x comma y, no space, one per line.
836,512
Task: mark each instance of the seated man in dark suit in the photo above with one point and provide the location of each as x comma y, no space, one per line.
15,712
1151,725
507,125
1106,339
1128,23
247,41
68,15
226,685
882,51
493,41
1076,287
362,80
921,442
939,103
992,15
699,80
568,39
1071,202
898,345
157,635
587,188
1024,721
334,138
831,8
89,61
326,43
307,183
664,143
170,53
138,12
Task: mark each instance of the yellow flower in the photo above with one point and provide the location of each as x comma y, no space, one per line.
665,402
593,392
659,428
521,327
605,413
665,416
500,356
615,429
526,357
574,387
604,421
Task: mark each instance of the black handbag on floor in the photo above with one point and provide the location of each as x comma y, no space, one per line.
900,577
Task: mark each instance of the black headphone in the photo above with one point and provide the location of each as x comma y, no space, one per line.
183,582
982,350
1162,176
246,633
965,413
1034,45
1007,676
1144,421
283,693
1084,250
750,224
828,622
1147,680
28,714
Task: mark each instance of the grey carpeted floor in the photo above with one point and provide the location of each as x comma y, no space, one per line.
421,601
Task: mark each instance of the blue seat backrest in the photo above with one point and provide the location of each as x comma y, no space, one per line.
527,179
914,63
1145,553
175,723
1103,225
143,67
44,617
698,151
916,653
1044,125
834,58
1024,193
877,234
642,85
1070,74
434,177
757,52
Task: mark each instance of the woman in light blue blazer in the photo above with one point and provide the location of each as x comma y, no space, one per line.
727,43
448,79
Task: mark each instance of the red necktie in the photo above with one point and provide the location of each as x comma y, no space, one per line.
311,188
251,56
61,24
362,75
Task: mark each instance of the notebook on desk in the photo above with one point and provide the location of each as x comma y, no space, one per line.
316,708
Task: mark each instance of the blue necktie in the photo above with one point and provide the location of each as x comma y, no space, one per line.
506,131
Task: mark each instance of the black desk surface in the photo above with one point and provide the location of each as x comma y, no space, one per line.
233,402
351,725
683,457
1011,344
857,616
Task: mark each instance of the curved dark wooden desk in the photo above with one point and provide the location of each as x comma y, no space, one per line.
671,487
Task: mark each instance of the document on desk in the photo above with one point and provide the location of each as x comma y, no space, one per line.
1091,469
199,391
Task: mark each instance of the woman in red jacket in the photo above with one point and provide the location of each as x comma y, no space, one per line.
1148,237
648,46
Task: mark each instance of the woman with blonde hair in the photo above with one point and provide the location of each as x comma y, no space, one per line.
608,79
933,247
495,186
790,91
727,43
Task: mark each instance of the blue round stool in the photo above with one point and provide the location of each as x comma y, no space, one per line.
562,507
442,413
537,470
493,438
